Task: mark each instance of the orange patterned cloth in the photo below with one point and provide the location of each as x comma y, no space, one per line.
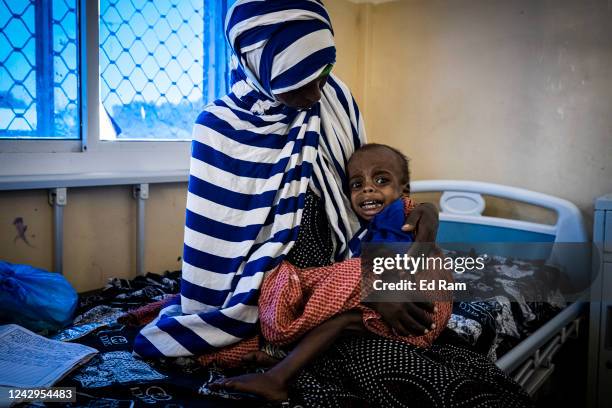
294,301
145,314
230,356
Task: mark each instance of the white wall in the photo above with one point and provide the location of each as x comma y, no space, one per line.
512,92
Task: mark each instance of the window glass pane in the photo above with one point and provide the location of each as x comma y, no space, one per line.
156,67
39,90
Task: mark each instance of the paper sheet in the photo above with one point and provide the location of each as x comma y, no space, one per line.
30,360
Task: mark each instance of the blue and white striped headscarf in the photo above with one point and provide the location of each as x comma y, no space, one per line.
252,162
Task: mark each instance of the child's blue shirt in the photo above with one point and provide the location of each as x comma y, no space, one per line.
386,226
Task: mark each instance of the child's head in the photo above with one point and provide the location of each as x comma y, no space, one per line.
378,175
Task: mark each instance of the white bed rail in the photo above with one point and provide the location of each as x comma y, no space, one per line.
568,228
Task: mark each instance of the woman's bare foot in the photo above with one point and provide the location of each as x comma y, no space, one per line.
260,359
264,385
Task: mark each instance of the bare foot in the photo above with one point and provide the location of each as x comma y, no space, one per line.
259,358
264,385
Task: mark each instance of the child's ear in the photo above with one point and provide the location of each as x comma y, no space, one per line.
406,190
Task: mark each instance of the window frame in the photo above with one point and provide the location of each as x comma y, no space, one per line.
40,157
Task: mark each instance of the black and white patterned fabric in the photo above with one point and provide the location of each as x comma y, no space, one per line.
369,371
128,294
376,372
314,245
115,367
503,312
468,329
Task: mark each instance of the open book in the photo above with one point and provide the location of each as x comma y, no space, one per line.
28,360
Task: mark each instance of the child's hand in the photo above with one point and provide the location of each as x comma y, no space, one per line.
352,321
407,318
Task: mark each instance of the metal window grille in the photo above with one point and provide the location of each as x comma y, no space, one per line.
39,88
161,61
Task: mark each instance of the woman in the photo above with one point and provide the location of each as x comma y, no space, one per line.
277,144
266,185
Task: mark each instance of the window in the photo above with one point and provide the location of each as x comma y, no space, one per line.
39,90
158,63
153,76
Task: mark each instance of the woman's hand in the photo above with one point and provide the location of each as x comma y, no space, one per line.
413,318
423,220
407,318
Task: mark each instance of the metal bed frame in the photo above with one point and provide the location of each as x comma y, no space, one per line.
529,363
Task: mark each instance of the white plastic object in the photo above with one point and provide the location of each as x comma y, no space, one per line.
462,203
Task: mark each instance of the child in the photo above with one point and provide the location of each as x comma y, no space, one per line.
378,178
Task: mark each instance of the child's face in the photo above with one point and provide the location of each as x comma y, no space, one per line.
374,181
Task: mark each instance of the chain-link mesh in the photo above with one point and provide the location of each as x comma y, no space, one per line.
39,94
152,66
158,66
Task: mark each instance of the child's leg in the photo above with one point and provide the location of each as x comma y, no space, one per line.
273,384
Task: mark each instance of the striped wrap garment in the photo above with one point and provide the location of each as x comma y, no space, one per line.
252,161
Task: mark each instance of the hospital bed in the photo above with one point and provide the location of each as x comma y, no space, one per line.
461,220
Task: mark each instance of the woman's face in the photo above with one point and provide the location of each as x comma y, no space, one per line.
304,97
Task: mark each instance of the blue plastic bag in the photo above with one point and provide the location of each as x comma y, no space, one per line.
34,298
